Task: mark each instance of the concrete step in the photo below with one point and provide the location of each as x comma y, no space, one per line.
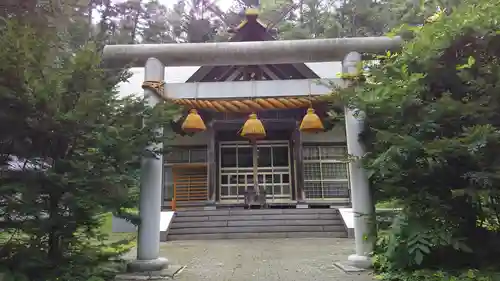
257,223
268,235
243,212
257,229
180,217
198,224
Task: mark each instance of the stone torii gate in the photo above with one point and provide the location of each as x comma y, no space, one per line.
154,58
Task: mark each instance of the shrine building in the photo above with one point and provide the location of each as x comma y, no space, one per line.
215,166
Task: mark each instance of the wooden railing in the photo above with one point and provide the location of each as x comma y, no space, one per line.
190,183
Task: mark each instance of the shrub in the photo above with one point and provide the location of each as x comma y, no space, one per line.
433,140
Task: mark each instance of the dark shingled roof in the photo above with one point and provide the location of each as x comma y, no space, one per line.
251,29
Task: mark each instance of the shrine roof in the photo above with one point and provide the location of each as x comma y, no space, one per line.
252,29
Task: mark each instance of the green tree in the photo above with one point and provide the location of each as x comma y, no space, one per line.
129,14
78,145
157,24
432,117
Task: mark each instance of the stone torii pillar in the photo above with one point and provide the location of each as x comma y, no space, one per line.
148,241
362,204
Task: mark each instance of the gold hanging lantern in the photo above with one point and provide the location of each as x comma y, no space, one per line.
193,122
253,129
311,123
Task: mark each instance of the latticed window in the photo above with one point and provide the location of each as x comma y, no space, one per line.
325,172
180,155
187,155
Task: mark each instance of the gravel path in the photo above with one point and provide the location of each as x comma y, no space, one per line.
262,259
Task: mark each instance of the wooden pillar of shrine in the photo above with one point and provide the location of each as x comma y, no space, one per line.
212,163
299,167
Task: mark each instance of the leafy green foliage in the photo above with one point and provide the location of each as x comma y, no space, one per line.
78,147
439,275
432,135
407,241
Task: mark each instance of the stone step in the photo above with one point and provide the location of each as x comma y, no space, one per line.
243,212
198,224
265,235
255,223
258,229
322,216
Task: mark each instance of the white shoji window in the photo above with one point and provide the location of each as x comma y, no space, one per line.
325,172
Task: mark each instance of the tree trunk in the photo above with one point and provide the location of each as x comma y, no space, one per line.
54,243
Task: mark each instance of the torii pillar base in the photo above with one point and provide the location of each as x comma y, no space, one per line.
158,264
166,274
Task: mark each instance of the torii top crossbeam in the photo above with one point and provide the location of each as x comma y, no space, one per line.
247,53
